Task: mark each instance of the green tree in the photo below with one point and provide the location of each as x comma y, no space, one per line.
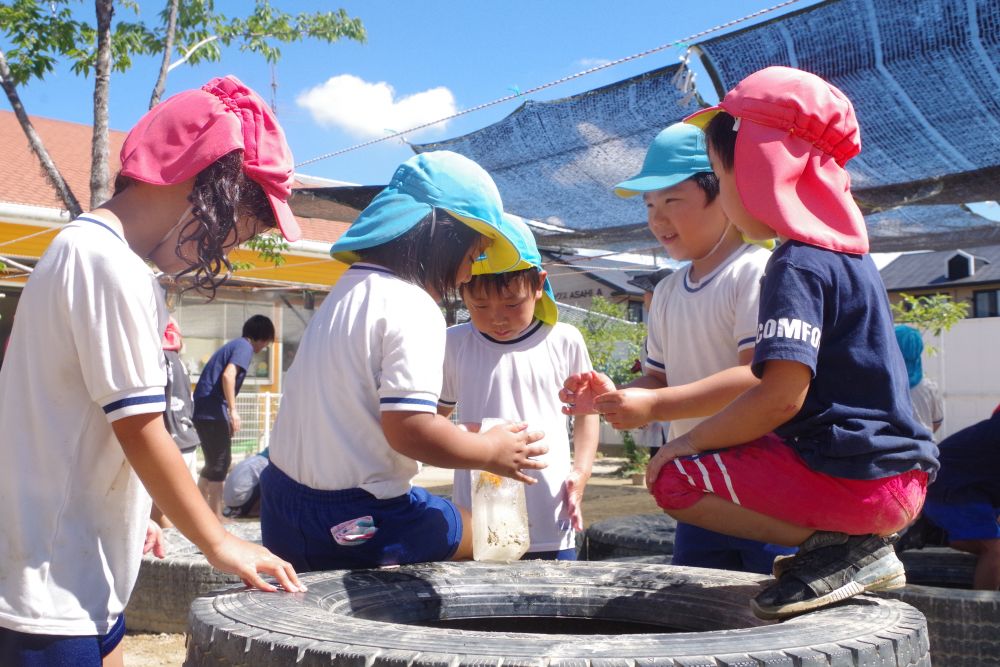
930,313
43,32
614,344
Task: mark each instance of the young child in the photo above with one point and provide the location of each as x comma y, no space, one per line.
82,390
215,414
825,452
360,403
509,362
928,405
701,325
964,500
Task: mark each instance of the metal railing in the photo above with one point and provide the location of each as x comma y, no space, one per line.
257,413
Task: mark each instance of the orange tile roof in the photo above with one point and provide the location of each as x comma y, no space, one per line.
21,177
22,180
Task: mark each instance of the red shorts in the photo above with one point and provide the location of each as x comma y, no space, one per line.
768,477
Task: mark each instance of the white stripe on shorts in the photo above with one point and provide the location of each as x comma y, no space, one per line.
677,463
704,475
725,475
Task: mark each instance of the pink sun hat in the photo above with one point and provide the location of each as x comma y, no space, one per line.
794,134
187,132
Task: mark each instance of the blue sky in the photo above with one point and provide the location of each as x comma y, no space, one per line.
423,60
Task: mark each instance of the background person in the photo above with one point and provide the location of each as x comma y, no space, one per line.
215,415
928,405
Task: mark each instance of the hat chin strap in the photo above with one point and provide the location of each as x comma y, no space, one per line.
717,245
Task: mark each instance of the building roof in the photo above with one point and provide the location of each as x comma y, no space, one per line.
23,182
923,270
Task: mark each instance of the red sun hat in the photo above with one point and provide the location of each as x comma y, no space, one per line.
172,339
795,132
187,132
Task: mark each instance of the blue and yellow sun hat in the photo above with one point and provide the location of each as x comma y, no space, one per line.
438,179
676,154
522,238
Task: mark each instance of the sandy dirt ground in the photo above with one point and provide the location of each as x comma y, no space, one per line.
607,495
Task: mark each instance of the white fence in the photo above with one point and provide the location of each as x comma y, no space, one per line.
257,413
966,366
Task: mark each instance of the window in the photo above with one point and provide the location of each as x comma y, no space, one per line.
985,303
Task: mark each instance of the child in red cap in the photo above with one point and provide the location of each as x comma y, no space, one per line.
825,452
82,389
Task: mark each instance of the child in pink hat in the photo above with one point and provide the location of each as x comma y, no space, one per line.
82,387
825,453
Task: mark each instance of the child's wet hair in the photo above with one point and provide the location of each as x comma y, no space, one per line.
429,254
510,282
721,139
222,194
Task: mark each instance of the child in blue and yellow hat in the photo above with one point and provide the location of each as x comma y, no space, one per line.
360,401
509,362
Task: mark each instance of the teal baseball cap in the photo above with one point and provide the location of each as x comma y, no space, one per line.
522,238
437,179
677,153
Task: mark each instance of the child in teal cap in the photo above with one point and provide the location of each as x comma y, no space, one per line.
701,325
509,362
359,407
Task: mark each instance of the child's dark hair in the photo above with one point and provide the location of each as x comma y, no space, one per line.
721,139
258,327
509,281
221,194
709,184
429,254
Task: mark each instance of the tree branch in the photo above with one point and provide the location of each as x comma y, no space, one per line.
168,48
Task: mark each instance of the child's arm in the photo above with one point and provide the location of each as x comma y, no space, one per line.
586,430
632,407
773,401
228,381
158,463
505,450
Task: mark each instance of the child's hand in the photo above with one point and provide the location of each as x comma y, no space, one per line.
626,408
246,560
154,540
575,485
674,449
580,389
513,451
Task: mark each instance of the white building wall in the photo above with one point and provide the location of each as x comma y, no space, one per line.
966,367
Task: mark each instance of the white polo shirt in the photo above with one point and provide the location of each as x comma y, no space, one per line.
519,380
697,328
84,351
376,344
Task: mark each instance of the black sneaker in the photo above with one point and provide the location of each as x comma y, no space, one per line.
830,568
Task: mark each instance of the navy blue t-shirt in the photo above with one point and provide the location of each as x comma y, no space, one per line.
209,401
970,465
829,311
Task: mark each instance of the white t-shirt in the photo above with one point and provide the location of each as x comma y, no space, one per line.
519,380
696,329
84,352
376,344
928,406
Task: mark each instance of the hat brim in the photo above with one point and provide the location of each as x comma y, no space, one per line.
287,223
651,183
797,190
701,119
546,309
501,255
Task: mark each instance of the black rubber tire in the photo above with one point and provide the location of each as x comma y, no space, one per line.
166,587
373,618
636,535
963,625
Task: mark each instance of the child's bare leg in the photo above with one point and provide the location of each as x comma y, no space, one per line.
714,513
987,574
115,658
464,551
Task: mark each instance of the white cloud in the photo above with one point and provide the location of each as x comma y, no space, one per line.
371,110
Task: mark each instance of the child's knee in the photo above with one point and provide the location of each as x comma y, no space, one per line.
673,490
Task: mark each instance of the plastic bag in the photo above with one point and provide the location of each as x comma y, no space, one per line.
499,514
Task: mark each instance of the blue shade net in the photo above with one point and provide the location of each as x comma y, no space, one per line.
556,162
924,77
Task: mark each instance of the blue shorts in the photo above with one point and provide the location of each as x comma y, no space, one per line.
22,649
295,523
968,520
698,547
